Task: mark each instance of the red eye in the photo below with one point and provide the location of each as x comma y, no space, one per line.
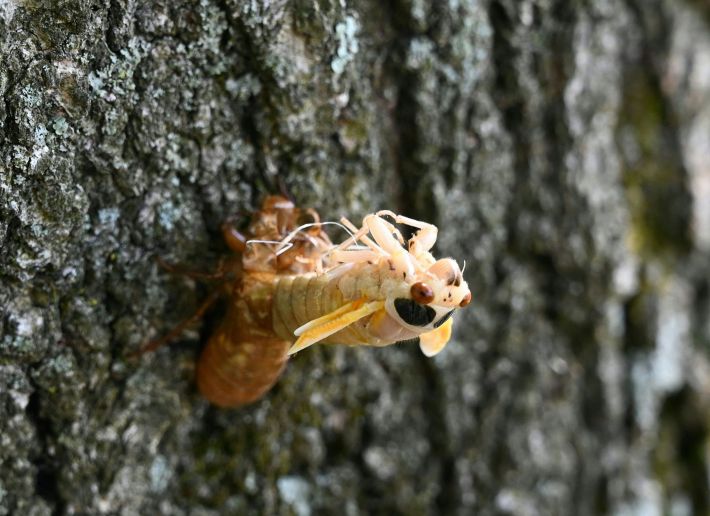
466,300
422,293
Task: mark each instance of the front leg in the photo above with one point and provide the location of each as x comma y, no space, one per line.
424,239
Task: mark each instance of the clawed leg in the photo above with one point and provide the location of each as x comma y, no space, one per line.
218,275
382,232
180,328
400,259
425,238
387,243
233,238
197,275
283,188
358,256
358,234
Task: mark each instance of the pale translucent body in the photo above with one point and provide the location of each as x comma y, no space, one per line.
301,299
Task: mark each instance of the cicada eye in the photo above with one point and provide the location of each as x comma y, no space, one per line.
422,293
466,300
413,313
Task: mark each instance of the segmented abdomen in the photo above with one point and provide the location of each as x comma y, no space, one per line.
300,299
244,357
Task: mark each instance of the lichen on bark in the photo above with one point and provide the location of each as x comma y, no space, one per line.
561,148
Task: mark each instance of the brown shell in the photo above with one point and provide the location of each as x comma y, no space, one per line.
244,357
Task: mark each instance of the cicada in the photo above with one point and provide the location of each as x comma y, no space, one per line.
294,288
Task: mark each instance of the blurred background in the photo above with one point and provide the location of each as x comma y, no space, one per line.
562,147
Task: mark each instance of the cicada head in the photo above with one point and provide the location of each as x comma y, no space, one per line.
421,307
284,239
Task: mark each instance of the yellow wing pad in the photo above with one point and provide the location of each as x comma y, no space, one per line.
349,307
434,341
331,323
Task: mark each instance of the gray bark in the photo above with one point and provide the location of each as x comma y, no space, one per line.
562,148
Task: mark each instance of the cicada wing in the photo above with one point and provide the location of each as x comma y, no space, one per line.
331,323
434,341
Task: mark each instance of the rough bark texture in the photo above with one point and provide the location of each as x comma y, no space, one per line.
561,146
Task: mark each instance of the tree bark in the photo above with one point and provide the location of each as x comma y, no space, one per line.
560,146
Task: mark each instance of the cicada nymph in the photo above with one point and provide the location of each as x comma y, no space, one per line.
295,288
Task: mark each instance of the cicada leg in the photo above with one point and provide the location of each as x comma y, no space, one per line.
233,238
424,239
197,275
219,275
180,328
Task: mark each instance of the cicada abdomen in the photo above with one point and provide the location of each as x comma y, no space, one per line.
244,357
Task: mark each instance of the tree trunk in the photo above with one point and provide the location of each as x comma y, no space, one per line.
560,146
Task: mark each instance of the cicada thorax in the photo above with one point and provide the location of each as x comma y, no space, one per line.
245,356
